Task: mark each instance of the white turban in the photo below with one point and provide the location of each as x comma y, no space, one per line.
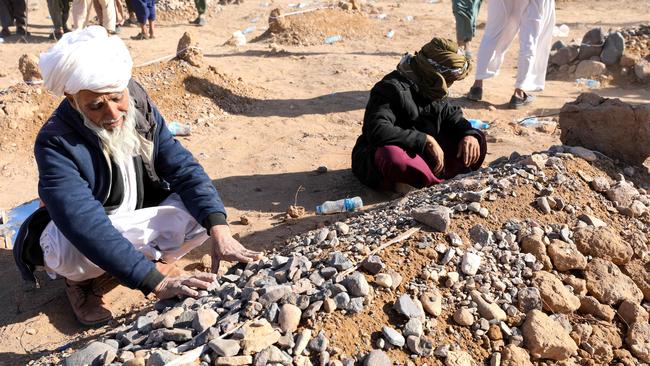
86,59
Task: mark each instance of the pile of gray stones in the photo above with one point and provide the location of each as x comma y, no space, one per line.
574,292
598,50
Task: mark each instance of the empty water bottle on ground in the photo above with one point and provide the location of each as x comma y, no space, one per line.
390,34
333,39
179,129
346,204
530,121
589,83
478,124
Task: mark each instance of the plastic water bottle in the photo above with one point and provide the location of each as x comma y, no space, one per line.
530,121
478,124
333,39
249,29
179,129
589,83
408,18
390,34
346,204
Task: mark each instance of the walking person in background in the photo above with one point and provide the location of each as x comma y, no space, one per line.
106,14
145,12
81,10
200,8
13,12
466,13
534,21
59,12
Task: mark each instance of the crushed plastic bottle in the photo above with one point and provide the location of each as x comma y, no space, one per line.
332,39
589,83
561,31
249,29
390,34
530,121
382,16
478,124
408,18
346,204
179,129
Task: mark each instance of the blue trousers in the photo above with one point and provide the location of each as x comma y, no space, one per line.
144,10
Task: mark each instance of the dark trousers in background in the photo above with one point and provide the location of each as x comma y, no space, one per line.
144,10
59,12
200,6
13,12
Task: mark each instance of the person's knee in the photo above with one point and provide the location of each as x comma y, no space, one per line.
391,158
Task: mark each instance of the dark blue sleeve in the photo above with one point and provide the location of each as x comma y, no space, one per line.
176,165
83,221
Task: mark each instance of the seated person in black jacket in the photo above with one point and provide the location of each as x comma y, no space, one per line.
411,134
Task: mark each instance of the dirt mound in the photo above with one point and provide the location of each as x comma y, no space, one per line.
314,27
504,282
181,11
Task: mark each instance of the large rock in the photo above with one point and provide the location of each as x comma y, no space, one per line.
258,336
642,70
623,193
437,217
614,48
546,338
28,66
88,354
638,338
459,358
515,356
534,244
607,125
604,339
377,358
608,284
187,50
602,242
640,274
590,68
555,297
564,55
592,44
566,256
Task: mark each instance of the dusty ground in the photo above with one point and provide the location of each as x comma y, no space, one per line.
264,119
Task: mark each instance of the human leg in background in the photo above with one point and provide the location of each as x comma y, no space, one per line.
200,9
465,12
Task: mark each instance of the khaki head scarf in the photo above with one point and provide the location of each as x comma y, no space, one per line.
438,65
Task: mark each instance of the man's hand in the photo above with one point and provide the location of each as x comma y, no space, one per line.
225,247
469,150
184,285
435,151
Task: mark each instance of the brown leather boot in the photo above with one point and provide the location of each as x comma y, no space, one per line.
86,302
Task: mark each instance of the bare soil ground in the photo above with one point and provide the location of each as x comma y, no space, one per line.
264,117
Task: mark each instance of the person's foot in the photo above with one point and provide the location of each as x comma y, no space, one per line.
21,31
140,36
56,35
475,93
5,32
201,22
86,301
66,30
517,101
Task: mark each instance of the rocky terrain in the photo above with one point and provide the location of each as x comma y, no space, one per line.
533,260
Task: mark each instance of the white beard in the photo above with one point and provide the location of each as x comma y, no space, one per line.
122,142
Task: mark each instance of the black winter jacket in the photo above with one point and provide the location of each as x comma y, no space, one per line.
397,114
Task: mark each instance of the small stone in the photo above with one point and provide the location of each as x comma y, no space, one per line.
515,356
589,305
393,337
488,310
613,48
583,153
479,234
608,284
356,284
28,66
329,305
603,242
454,239
419,346
302,340
565,256
407,307
339,261
258,336
377,358
638,339
592,220
372,264
244,220
632,312
384,280
289,318
543,205
342,228
555,297
437,217
432,302
341,300
204,319
600,184
161,358
413,327
470,263
459,358
589,69
224,347
319,343
233,361
88,354
464,317
494,333
546,338
529,299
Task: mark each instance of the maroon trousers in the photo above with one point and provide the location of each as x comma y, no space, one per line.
396,165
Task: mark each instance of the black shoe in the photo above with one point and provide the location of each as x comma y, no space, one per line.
21,31
5,32
195,21
66,30
475,93
518,102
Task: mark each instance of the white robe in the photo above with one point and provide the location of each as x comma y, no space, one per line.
534,21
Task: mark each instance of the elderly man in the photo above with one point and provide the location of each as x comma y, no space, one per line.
411,135
119,191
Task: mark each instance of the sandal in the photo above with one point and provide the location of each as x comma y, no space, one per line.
475,94
518,102
139,37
